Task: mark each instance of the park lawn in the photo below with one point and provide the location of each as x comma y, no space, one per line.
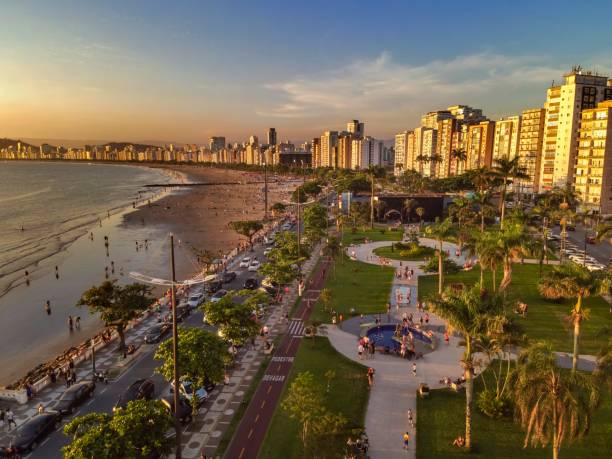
377,234
546,320
354,284
441,419
348,395
386,252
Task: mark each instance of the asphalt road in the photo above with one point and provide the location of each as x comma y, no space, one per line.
601,251
107,395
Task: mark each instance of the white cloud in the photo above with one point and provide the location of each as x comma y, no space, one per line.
382,89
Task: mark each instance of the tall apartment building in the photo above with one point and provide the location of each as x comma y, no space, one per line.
431,119
593,179
581,90
444,145
345,144
366,152
216,143
272,136
531,140
479,144
506,138
329,140
316,152
411,152
424,148
356,128
401,147
466,113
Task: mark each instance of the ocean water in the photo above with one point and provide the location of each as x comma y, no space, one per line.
55,216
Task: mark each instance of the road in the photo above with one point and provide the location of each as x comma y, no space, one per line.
106,395
252,429
601,251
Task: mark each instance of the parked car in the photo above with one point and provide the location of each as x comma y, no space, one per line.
184,409
254,266
228,276
182,311
186,389
591,239
139,389
250,283
212,287
74,396
156,332
35,430
194,300
218,295
245,262
267,251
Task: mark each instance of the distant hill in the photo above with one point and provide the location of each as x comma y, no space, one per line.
6,143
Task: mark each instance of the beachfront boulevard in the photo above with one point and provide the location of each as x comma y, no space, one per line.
142,365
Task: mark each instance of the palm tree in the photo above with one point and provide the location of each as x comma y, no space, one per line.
490,255
460,209
514,242
420,211
470,313
421,159
506,170
570,280
460,156
482,199
407,207
439,231
604,230
373,173
551,405
483,178
435,160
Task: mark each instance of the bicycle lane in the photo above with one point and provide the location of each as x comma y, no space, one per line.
252,429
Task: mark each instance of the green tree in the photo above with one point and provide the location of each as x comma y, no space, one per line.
234,314
570,280
407,206
490,254
307,190
440,231
482,199
116,304
202,356
278,208
420,211
460,157
551,405
472,314
246,228
315,221
507,170
131,433
514,242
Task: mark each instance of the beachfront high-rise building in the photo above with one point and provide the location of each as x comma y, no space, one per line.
329,140
581,90
367,152
401,147
530,147
272,136
344,160
253,140
479,144
316,152
356,128
431,119
216,143
467,113
444,146
593,179
506,138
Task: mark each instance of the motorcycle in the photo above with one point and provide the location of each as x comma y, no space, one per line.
101,376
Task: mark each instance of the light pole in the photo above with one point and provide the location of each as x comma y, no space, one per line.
172,283
265,191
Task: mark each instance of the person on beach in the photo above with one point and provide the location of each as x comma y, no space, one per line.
77,322
48,307
70,323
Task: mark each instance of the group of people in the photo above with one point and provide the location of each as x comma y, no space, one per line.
7,419
366,348
403,272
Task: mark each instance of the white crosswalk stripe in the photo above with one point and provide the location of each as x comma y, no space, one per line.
273,378
296,328
282,359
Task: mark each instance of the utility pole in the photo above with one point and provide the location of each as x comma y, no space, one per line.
265,191
177,422
372,203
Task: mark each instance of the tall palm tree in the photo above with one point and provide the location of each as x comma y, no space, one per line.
506,170
435,159
514,242
483,178
420,211
551,405
490,254
439,231
374,172
460,156
407,207
468,312
482,199
421,159
570,280
461,210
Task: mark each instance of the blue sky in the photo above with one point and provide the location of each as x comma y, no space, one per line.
183,71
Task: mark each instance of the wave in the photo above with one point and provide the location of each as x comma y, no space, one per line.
26,195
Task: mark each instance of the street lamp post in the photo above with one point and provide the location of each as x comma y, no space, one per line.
265,191
172,283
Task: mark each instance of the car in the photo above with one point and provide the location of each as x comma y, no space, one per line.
35,430
139,389
156,332
269,239
194,300
591,240
254,266
212,287
185,411
73,397
186,391
286,226
251,283
245,262
182,311
218,295
267,251
228,276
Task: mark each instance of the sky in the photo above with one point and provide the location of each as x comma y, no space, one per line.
182,71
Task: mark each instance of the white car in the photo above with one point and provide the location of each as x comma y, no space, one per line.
286,226
245,262
194,300
186,390
254,266
267,251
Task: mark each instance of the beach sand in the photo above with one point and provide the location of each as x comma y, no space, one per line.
199,215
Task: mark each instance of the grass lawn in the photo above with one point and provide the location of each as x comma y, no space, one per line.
395,254
546,320
358,285
441,418
349,395
377,234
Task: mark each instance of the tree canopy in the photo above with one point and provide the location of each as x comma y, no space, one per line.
246,228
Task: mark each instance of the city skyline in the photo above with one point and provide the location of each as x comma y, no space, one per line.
148,72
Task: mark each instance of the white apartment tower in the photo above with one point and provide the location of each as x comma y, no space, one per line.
329,140
506,138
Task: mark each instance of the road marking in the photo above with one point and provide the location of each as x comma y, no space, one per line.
90,402
250,433
278,367
103,390
273,378
257,417
263,404
269,388
283,359
242,451
296,327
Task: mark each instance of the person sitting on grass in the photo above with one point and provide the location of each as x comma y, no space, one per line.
459,442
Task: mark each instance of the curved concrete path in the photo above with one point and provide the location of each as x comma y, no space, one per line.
395,387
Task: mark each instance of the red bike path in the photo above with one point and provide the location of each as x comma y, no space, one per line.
252,429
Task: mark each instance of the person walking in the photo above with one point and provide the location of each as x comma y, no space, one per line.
360,351
406,438
371,372
70,323
413,368
41,408
10,418
77,322
48,307
410,418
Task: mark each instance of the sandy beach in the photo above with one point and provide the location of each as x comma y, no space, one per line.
199,216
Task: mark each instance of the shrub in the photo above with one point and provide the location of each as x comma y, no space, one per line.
449,266
382,230
492,406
